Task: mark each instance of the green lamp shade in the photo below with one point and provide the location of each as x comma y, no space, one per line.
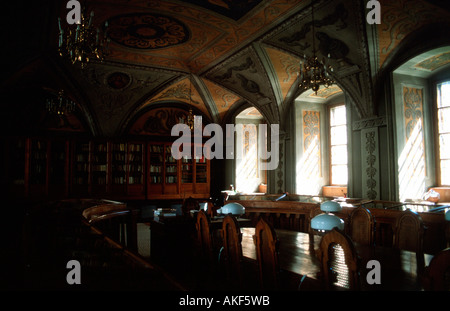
327,222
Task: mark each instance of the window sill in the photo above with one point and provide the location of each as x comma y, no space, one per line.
444,192
335,191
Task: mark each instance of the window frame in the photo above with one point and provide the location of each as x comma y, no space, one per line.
436,130
330,164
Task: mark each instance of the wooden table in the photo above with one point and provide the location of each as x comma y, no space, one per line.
399,269
216,222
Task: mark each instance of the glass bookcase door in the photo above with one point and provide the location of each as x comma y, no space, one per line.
81,163
118,163
201,170
155,168
135,164
171,172
100,164
187,170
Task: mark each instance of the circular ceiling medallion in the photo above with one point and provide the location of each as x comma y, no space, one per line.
118,80
147,31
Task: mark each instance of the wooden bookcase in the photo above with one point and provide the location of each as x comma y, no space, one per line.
118,168
176,179
127,170
80,168
135,170
99,182
155,168
61,168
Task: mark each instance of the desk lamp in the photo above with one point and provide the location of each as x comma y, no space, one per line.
232,208
327,221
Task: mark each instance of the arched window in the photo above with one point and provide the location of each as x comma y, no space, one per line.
321,142
250,144
422,116
338,145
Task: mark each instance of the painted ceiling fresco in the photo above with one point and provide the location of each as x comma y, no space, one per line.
216,55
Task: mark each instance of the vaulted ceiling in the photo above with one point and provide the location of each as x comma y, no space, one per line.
227,53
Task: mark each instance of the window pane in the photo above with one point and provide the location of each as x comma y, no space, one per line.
339,155
444,120
339,174
444,146
339,135
445,172
443,103
338,116
443,94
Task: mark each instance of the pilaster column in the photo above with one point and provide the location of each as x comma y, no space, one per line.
370,156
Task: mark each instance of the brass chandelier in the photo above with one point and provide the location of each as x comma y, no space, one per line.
85,42
59,104
314,73
190,119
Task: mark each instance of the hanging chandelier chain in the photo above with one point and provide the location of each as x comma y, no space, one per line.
313,29
314,73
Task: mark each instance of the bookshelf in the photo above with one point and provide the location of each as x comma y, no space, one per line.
187,171
135,170
172,178
155,171
170,172
99,168
135,164
77,168
118,168
80,168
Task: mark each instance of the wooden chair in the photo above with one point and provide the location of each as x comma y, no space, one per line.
267,255
204,239
339,261
313,213
361,226
409,232
232,250
437,274
188,205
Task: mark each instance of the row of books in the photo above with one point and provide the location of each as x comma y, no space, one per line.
123,147
132,180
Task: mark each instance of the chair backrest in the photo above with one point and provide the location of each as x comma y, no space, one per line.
190,204
409,232
267,254
339,261
204,235
313,213
361,226
232,249
437,274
